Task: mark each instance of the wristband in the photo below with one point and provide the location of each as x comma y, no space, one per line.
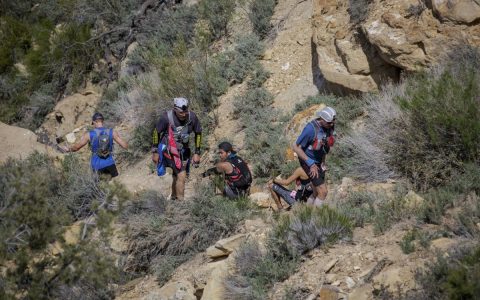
154,150
197,151
310,162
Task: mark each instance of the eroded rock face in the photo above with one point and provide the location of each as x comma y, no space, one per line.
18,143
458,11
392,36
70,117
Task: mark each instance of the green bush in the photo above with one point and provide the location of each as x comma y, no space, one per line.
444,128
218,14
35,213
456,276
257,272
236,65
161,241
261,11
426,128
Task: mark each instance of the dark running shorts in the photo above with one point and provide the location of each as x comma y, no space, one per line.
284,193
169,163
110,170
316,181
232,192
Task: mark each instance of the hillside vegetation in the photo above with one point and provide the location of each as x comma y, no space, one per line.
422,133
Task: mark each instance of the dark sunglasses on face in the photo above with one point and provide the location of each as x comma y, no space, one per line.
181,108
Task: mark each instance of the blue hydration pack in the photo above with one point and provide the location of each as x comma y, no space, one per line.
161,170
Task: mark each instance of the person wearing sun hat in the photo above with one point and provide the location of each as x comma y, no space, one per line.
172,133
312,146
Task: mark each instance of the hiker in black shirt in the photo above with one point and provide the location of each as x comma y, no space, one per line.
173,130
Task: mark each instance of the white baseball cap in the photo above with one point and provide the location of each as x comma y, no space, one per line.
181,103
326,114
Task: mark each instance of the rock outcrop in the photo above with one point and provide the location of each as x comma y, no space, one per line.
359,53
18,143
70,117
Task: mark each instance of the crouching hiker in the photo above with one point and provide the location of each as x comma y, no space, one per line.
101,143
302,191
312,146
237,174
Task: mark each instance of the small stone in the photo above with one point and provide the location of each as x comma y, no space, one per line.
356,268
350,282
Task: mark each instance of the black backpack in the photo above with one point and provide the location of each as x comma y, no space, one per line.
245,178
103,142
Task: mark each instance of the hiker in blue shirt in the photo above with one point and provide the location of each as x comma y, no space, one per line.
312,146
101,143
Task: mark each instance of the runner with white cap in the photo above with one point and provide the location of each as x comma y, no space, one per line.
312,146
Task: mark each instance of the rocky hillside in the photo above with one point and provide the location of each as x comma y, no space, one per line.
360,44
401,218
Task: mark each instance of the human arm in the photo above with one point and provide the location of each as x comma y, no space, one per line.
77,146
221,167
119,140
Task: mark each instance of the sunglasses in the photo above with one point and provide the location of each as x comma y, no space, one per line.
181,108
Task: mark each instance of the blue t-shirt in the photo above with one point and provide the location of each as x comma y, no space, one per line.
306,139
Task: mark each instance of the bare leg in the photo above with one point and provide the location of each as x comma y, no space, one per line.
180,185
174,189
321,195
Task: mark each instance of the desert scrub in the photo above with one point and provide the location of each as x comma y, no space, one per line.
260,14
162,238
456,276
256,272
307,228
36,211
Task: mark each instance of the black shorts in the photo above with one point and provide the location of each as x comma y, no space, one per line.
110,170
316,181
185,157
284,193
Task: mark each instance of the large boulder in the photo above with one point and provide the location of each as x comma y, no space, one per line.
70,117
359,48
16,142
225,246
458,11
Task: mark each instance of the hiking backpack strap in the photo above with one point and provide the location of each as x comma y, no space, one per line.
110,135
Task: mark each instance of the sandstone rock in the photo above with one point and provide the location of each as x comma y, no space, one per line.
268,55
329,278
394,277
338,77
328,293
254,225
76,112
18,143
442,244
262,199
350,282
330,265
214,289
353,57
458,11
180,290
393,45
363,292
226,246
